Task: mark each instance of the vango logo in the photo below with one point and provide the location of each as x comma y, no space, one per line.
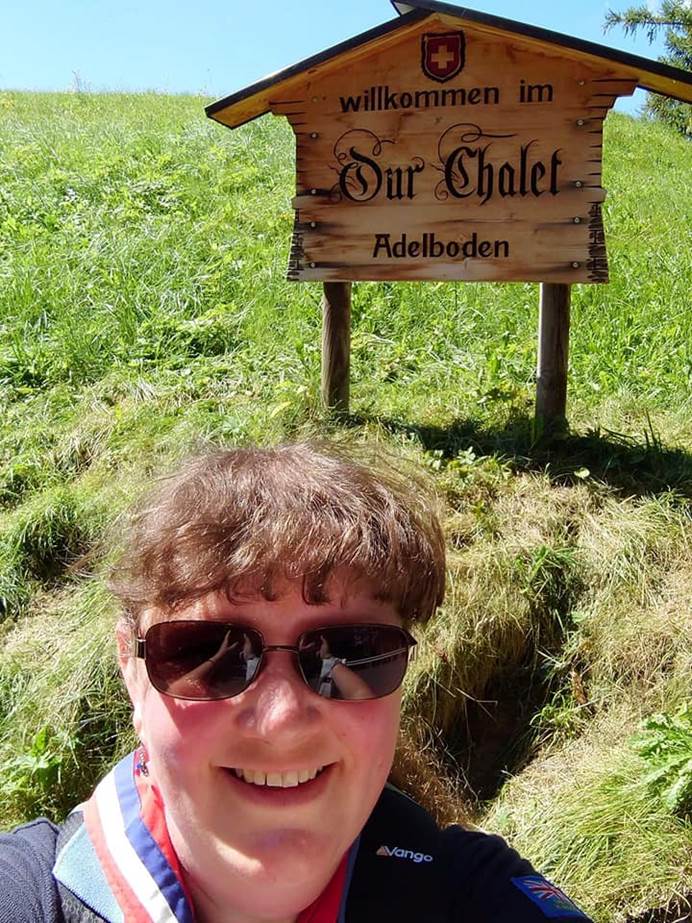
398,853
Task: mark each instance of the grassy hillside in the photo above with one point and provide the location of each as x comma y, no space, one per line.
144,313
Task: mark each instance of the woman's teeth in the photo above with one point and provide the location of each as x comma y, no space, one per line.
278,779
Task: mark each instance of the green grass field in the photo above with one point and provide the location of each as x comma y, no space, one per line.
144,314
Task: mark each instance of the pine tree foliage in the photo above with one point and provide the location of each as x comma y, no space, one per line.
675,18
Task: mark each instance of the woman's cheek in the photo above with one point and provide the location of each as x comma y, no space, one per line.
370,730
174,728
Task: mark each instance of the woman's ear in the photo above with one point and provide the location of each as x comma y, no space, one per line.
123,637
132,671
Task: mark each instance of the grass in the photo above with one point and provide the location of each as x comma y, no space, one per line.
144,314
64,723
587,818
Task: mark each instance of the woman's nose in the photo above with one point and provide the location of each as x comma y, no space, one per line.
278,701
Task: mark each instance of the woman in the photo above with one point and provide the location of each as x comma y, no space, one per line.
266,600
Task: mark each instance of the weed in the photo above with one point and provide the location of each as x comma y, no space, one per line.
48,533
547,578
78,704
666,744
33,775
585,815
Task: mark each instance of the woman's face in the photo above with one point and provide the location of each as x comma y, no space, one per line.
271,849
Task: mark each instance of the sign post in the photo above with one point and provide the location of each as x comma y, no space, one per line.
432,161
336,345
553,355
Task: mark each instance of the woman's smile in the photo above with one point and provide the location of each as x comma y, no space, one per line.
289,778
289,795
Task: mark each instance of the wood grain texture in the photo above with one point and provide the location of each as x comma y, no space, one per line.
500,163
259,98
553,354
336,345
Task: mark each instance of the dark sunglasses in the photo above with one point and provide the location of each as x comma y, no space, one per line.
207,660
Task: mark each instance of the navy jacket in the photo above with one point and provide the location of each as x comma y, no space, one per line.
407,870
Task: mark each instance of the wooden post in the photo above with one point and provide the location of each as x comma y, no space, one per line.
336,345
553,352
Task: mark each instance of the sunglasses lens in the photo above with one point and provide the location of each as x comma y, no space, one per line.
202,660
354,662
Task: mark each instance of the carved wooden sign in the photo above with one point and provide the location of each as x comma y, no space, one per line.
451,144
451,151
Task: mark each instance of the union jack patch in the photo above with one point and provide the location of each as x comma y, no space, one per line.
552,901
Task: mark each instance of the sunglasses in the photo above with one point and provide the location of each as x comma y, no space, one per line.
207,660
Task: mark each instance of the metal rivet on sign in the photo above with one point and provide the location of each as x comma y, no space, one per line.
576,265
577,220
314,135
313,192
580,122
313,265
578,183
313,224
582,83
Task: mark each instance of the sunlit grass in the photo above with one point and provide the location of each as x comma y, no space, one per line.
587,817
144,313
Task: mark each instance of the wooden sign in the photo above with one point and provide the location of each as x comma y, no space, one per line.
451,151
451,144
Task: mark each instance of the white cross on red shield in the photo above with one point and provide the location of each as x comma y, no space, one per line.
443,54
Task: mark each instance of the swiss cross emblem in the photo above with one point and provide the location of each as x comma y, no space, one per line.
443,54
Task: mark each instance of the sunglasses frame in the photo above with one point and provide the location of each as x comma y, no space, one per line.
139,650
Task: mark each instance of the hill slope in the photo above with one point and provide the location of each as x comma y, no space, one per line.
144,313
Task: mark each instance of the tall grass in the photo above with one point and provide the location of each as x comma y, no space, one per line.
587,817
144,313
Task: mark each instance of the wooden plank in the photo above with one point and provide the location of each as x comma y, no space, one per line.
336,345
553,356
423,243
349,157
462,134
392,128
487,272
642,72
571,203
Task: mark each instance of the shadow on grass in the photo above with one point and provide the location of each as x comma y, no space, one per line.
629,466
677,910
498,738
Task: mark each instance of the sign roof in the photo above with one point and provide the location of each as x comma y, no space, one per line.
255,100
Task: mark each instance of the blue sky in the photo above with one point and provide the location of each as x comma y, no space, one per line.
215,47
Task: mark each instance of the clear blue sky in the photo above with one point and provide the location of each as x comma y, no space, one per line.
214,47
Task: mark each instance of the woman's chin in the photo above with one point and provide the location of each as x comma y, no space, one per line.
285,853
275,876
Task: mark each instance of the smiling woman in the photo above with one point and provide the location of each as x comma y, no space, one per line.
267,596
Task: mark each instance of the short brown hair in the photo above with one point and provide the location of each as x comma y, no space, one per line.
299,511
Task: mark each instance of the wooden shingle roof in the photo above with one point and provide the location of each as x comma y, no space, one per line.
255,100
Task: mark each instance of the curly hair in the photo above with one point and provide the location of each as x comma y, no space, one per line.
243,517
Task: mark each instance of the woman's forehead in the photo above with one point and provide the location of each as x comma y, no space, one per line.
342,590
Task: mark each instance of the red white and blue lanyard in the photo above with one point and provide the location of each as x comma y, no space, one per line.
126,827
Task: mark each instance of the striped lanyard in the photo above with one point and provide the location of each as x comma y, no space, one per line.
126,825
